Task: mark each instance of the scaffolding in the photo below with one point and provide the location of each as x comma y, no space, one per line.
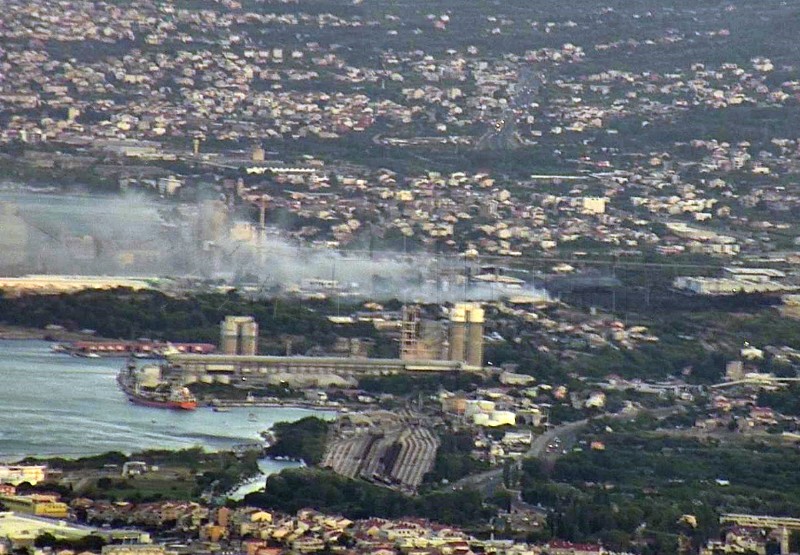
409,333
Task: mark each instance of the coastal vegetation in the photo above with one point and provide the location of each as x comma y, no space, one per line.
295,489
303,439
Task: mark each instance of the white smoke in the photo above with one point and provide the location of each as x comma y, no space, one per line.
134,235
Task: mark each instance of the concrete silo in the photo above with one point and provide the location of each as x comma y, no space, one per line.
474,350
466,333
239,336
248,344
458,332
229,336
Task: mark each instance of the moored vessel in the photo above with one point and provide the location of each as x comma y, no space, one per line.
144,387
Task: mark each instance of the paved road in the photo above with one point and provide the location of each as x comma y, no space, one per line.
490,480
487,482
566,433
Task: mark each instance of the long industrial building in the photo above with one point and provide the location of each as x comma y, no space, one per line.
188,368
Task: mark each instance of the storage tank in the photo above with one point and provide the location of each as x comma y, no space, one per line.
458,332
474,349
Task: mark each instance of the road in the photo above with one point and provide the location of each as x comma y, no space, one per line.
567,434
487,482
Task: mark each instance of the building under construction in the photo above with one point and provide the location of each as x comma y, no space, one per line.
421,339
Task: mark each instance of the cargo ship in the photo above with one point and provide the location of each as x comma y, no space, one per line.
144,387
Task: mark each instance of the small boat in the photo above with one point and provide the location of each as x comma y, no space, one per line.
92,355
252,417
221,409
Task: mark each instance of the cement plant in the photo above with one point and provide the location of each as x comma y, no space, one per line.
399,277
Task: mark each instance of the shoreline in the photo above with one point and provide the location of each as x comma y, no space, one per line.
235,404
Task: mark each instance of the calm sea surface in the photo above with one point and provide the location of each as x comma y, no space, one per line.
55,404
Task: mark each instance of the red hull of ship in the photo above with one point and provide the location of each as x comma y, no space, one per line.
174,405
